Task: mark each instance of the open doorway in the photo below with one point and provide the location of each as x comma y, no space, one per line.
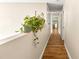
57,22
55,25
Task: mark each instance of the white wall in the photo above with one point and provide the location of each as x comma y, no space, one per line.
49,21
60,21
23,48
11,16
71,27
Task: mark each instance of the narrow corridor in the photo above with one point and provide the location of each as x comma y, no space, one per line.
55,48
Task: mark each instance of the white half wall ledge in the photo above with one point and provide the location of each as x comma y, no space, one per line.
11,37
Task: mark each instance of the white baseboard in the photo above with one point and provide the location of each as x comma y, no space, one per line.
67,52
44,48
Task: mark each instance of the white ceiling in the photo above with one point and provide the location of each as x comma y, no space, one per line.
52,6
49,1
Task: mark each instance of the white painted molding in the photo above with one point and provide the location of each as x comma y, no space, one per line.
11,37
67,52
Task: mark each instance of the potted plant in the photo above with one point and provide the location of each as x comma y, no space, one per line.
34,24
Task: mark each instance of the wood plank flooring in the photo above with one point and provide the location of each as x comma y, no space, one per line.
55,48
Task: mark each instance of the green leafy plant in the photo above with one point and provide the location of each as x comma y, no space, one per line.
34,24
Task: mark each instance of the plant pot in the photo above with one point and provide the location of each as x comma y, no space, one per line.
27,29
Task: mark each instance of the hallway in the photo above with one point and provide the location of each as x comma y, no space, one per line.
55,48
